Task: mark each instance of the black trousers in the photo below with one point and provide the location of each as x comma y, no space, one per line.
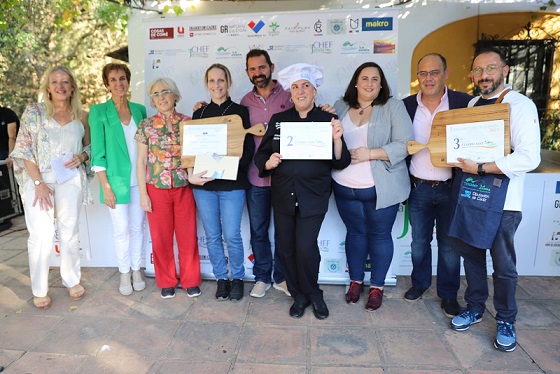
296,242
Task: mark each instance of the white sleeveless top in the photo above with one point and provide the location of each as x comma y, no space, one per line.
63,140
132,147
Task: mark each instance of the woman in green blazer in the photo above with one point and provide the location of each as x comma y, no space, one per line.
114,151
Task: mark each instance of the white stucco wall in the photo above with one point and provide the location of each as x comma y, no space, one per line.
417,19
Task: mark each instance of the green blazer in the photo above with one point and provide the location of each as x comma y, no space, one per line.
108,146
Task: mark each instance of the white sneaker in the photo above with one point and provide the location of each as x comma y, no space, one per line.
259,289
125,287
138,281
282,286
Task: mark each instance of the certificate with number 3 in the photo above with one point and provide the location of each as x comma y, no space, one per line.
306,140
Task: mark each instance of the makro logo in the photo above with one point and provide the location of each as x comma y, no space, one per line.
377,24
322,47
256,27
199,51
161,33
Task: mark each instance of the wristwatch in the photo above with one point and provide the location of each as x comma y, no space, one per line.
481,171
38,182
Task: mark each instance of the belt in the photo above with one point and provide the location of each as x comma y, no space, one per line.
413,179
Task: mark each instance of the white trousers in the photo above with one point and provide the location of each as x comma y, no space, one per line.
67,202
128,228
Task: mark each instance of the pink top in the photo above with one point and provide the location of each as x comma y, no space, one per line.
260,111
420,164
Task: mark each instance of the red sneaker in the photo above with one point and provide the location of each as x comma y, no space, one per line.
354,291
375,299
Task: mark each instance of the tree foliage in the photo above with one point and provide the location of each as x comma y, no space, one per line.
36,35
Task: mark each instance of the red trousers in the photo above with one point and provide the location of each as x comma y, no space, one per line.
174,212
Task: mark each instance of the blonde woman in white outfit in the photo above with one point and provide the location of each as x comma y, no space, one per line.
51,131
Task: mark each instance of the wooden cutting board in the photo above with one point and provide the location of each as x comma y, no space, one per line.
437,142
236,135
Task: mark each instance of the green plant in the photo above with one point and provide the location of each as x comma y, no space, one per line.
550,130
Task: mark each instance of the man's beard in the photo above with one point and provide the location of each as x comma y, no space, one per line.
265,80
495,84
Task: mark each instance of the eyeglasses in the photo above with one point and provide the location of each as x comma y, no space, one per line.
433,73
158,94
490,70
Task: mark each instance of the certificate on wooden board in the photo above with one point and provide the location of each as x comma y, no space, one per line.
476,141
437,144
306,140
210,139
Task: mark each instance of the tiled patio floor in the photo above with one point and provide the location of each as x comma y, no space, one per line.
142,333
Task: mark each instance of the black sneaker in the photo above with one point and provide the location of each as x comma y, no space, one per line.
413,294
193,291
167,293
450,307
237,289
222,293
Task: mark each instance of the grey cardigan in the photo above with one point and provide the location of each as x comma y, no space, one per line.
389,128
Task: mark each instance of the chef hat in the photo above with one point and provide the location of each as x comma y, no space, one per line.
295,72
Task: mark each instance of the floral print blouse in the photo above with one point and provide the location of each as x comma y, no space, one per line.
163,168
33,143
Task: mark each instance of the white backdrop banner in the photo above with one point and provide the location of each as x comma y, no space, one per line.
339,41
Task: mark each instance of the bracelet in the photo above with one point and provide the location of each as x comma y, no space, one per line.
369,154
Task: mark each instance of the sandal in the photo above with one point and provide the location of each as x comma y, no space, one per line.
42,302
76,292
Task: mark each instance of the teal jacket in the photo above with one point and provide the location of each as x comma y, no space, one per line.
108,146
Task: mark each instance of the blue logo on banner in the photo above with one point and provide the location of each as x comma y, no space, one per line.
557,186
377,24
256,27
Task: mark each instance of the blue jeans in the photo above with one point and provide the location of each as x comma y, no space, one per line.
368,231
505,273
221,212
426,205
258,207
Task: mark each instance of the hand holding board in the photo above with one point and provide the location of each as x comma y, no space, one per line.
437,143
235,135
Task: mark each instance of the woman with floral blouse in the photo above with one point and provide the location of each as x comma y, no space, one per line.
165,193
53,131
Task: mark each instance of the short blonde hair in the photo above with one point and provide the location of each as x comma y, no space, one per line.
75,98
168,83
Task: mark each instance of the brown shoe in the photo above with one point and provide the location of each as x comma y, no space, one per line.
375,299
354,292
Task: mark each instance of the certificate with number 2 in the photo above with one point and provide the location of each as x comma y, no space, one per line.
306,140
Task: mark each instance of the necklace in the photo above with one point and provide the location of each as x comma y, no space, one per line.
224,112
363,108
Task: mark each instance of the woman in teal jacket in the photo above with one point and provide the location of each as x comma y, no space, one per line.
114,152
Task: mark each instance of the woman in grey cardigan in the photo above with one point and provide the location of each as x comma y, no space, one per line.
368,192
